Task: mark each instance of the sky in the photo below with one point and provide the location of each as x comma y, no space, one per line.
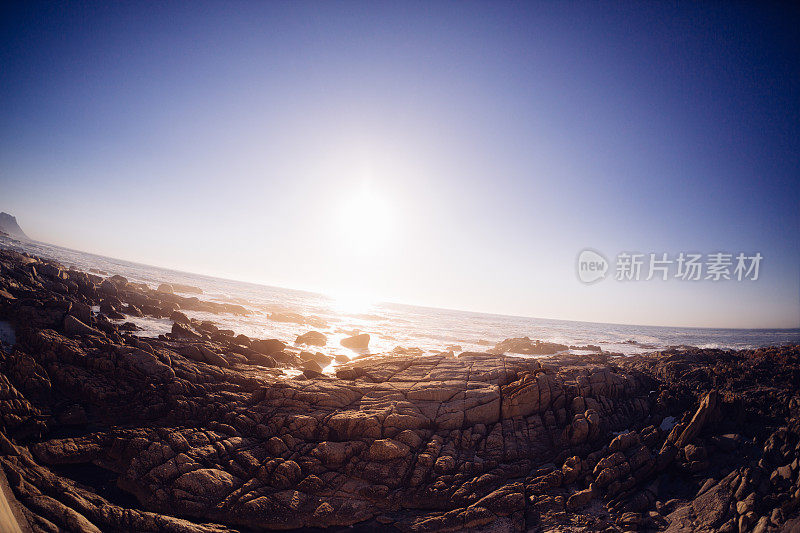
450,154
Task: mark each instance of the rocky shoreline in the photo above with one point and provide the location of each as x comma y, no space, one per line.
202,430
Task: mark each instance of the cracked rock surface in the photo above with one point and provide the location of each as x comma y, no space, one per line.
202,431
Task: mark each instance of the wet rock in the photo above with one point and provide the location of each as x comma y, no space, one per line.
525,345
313,338
356,342
261,360
267,346
190,289
312,366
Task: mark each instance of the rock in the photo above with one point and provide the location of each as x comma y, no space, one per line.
82,312
212,357
119,282
242,340
444,464
73,326
332,454
578,432
276,447
356,342
387,449
313,338
762,525
287,474
107,287
281,316
525,345
318,357
206,483
417,441
312,366
189,289
262,360
695,453
707,406
9,226
747,505
6,295
711,506
183,332
782,473
580,499
525,396
571,470
180,318
268,346
165,288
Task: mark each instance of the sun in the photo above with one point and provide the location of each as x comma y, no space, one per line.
351,303
365,221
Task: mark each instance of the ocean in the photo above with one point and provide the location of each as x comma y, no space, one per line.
395,325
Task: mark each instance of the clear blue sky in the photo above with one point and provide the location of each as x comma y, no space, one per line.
491,142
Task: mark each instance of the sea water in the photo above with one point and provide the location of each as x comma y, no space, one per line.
395,325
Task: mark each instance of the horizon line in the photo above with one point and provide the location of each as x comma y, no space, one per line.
379,302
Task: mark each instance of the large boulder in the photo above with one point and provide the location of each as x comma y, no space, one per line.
312,366
267,346
256,358
356,342
313,338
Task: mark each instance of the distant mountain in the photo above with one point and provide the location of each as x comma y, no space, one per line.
8,224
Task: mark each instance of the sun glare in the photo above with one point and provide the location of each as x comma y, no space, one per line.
365,222
351,303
